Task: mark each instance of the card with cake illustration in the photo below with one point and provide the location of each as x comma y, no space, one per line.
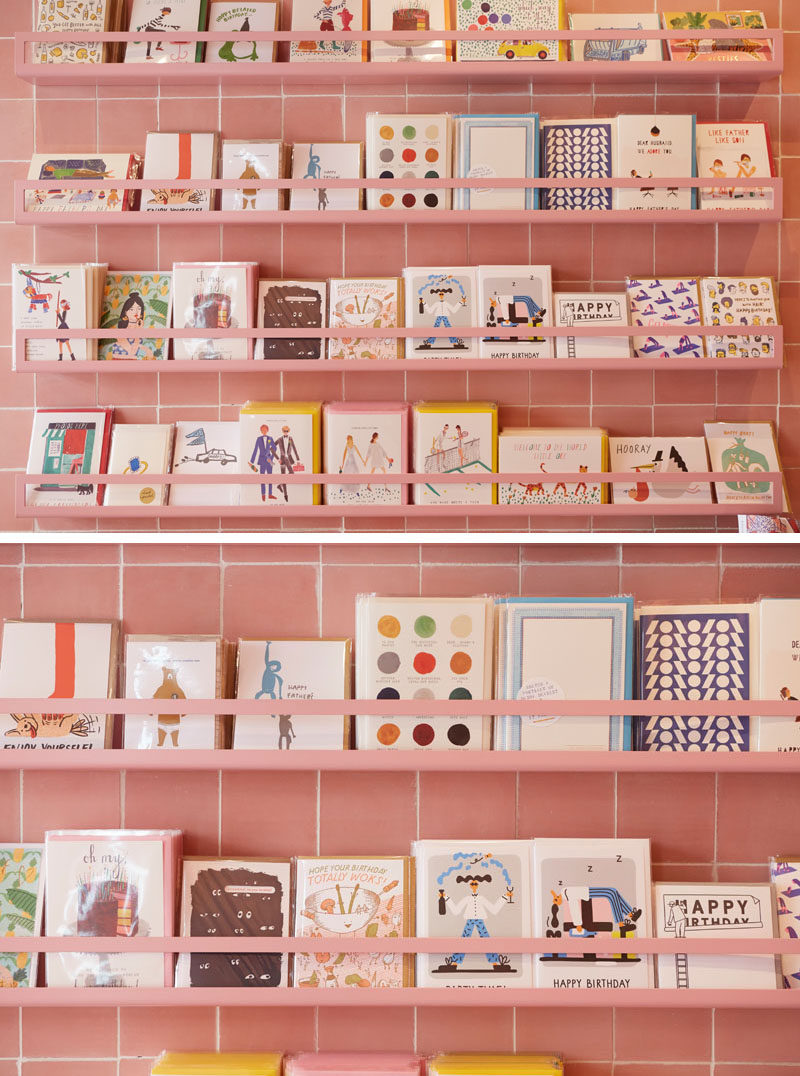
280,670
41,659
214,295
110,884
247,159
624,47
515,296
446,299
396,16
496,145
423,648
500,18
247,897
745,450
68,443
715,910
156,17
651,147
21,904
82,166
667,301
408,147
78,15
291,304
136,299
778,673
579,308
467,888
373,303
578,149
696,652
596,888
739,301
734,151
370,439
696,49
454,438
56,297
136,449
784,872
205,448
259,15
648,456
173,667
540,452
179,155
330,16
321,161
363,897
537,641
277,439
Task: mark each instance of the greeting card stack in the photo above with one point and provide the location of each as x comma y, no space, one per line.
68,444
156,17
205,448
374,303
672,302
499,20
360,1063
485,1064
218,1063
408,147
649,456
179,155
140,298
745,450
88,165
739,301
209,295
727,151
57,297
649,147
621,49
21,905
327,16
496,145
240,17
591,308
458,438
578,149
136,449
326,160
291,304
397,16
538,452
248,159
369,439
280,439
697,49
82,16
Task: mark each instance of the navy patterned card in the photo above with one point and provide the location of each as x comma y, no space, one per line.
577,150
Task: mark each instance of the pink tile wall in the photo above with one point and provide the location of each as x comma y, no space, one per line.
718,827
582,256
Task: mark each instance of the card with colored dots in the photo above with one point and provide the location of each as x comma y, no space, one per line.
400,15
500,18
408,147
423,648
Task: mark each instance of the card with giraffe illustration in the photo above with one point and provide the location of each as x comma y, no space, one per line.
21,903
173,667
58,661
547,451
279,670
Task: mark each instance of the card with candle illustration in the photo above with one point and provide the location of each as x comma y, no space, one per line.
739,301
372,303
366,897
234,898
467,888
399,15
423,648
213,295
21,904
369,439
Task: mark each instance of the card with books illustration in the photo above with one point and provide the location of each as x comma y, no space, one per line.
21,905
467,888
578,149
278,439
68,444
442,299
174,667
321,161
329,16
694,653
93,166
538,452
496,145
57,297
778,673
214,295
697,49
291,304
82,16
515,296
394,15
459,438
423,648
239,17
668,301
234,897
500,18
537,643
592,888
370,439
745,450
653,147
363,897
208,448
739,301
369,302
579,308
729,151
621,49
179,155
408,146
284,669
649,456
136,298
156,17
136,449
252,159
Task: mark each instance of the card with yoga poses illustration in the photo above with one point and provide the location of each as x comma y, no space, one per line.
665,301
369,439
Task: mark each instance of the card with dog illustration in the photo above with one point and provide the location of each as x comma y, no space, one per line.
467,888
179,155
173,667
363,897
280,670
58,661
21,904
665,302
275,439
548,451
597,888
650,456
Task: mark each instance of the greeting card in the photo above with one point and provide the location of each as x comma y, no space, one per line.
745,449
212,295
408,147
778,671
137,448
372,302
57,297
329,16
659,455
591,308
784,872
652,147
739,301
734,151
539,452
80,16
369,439
499,19
706,50
91,166
241,17
458,438
620,49
247,159
578,149
180,155
21,904
511,296
668,301
205,448
397,16
321,161
156,17
496,145
71,443
277,439
136,299
441,298
291,304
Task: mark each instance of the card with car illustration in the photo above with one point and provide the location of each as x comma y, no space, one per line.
205,448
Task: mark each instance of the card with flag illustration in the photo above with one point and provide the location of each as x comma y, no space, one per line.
205,448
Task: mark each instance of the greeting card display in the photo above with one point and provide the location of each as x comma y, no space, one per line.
591,308
21,904
745,450
156,17
80,16
366,897
82,166
205,448
328,16
649,456
369,439
246,159
68,443
408,147
423,648
734,151
395,15
458,438
180,155
539,452
537,643
212,295
441,298
173,667
667,301
321,161
511,296
496,145
137,448
695,653
715,910
592,889
650,147
276,439
616,50
58,297
739,301
778,670
374,303
285,669
473,887
135,299
500,18
578,149
784,872
241,17
707,50
233,898
291,304
110,884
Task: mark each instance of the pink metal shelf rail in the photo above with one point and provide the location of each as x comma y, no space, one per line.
248,217
493,71
91,510
405,365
